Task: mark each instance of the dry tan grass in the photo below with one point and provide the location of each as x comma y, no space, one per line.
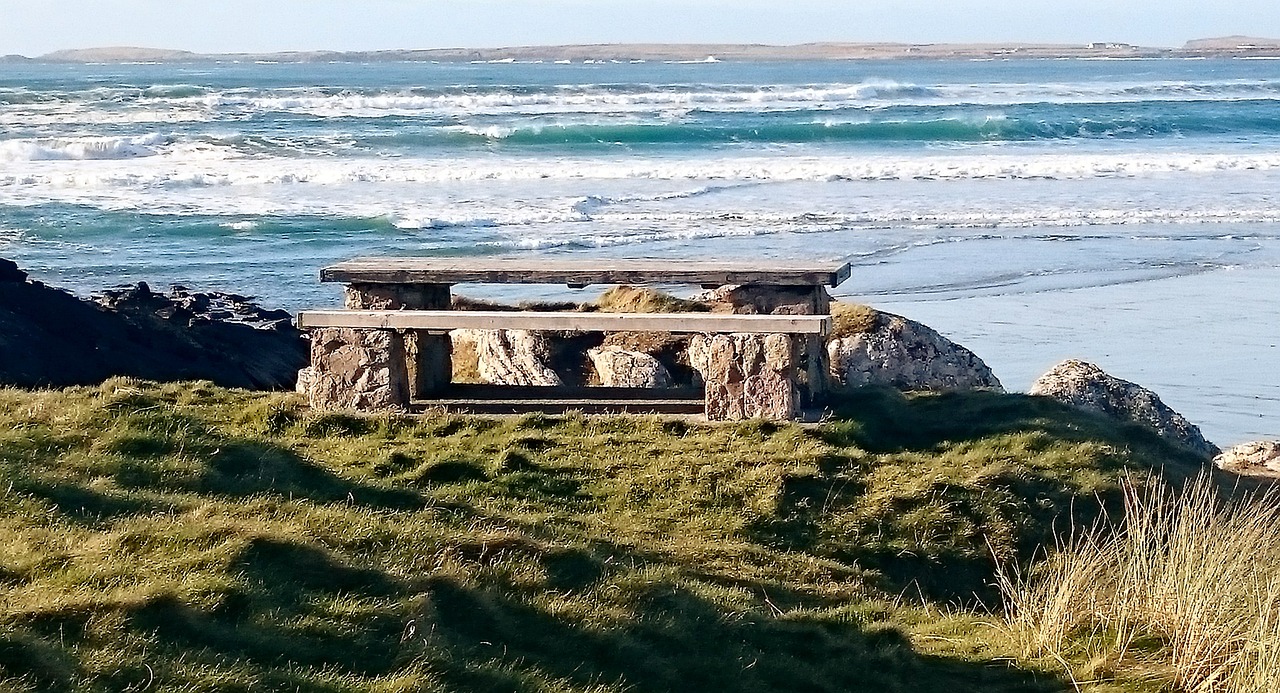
632,299
466,362
849,319
1192,581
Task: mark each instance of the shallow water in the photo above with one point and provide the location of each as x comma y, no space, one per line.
1207,343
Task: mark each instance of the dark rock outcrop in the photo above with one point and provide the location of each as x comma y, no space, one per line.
9,271
1082,384
50,338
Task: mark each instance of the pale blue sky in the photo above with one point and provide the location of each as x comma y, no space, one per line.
34,27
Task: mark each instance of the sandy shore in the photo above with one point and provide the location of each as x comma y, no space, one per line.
1208,344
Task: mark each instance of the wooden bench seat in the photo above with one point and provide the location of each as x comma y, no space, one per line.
579,272
445,320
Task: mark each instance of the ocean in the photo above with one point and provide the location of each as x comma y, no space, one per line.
1126,212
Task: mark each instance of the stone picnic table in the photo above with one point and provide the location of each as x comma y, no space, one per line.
390,348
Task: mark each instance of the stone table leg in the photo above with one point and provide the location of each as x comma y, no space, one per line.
429,365
811,369
813,352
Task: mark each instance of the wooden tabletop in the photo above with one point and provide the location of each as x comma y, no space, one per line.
580,272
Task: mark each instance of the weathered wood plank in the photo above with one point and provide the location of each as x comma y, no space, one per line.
511,399
577,272
567,322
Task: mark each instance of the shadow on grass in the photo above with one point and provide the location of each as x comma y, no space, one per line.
495,636
883,420
278,618
229,467
933,536
40,663
251,467
87,507
681,642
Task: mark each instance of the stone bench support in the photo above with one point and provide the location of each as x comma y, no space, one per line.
812,363
751,364
366,370
372,369
750,376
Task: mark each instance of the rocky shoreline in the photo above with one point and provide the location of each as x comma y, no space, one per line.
51,338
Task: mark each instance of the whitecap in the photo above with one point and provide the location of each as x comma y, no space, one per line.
82,148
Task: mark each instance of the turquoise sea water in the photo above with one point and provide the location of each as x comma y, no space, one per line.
1122,211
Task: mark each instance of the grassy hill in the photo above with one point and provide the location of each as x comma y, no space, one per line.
184,537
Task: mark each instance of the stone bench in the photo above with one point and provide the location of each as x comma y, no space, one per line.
391,347
360,358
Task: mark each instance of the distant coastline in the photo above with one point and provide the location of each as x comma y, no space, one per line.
1229,46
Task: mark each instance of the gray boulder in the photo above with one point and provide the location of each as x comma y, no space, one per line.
618,367
907,355
511,357
1259,458
1086,386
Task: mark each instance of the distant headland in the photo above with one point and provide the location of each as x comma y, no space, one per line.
1240,46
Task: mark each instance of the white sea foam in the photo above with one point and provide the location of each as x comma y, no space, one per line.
603,98
158,161
11,237
420,221
729,98
82,148
493,132
529,213
593,203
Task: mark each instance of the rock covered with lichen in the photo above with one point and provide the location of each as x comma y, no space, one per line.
890,350
1085,385
1257,458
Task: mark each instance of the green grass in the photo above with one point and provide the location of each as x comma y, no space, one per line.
183,537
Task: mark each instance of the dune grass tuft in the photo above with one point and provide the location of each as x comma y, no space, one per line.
1191,580
638,299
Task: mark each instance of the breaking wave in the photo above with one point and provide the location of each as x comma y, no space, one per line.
82,148
199,164
637,97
